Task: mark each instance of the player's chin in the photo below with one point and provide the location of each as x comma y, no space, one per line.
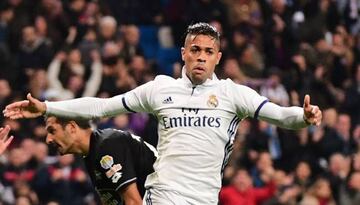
60,150
198,79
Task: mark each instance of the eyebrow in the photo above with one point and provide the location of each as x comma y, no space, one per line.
199,47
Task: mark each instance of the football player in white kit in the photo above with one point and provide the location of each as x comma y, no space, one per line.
198,115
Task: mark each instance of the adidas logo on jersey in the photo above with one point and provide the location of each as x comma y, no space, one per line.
168,100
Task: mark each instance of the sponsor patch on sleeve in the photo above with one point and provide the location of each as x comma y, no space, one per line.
106,161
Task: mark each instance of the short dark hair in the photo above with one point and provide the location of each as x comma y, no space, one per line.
202,28
83,124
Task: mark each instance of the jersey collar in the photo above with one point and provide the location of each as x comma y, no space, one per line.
206,83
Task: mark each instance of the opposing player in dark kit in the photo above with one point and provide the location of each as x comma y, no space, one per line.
117,161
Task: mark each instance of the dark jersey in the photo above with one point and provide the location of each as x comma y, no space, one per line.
117,159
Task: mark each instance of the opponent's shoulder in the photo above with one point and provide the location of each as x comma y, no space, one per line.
112,137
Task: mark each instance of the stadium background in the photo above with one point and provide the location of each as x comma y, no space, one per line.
61,49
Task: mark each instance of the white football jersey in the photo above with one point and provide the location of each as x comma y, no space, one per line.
197,126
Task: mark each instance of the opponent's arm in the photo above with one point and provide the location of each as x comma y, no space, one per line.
131,195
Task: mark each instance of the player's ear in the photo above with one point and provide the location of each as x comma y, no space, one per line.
73,126
182,53
218,57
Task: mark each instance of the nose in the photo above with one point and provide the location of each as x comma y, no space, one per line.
202,57
49,139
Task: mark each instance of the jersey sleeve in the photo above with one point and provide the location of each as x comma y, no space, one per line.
139,99
116,162
249,103
136,100
246,100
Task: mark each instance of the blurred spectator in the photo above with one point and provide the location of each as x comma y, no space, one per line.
321,89
339,168
279,39
335,140
140,70
24,194
352,98
75,82
241,190
286,191
87,45
244,12
6,15
256,141
17,168
343,60
262,169
34,51
108,30
131,37
303,176
350,190
66,176
351,16
274,89
38,83
232,70
319,194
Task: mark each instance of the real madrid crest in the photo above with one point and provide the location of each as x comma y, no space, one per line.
212,101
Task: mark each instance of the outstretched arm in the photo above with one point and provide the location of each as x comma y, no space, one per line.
136,100
84,108
291,117
30,108
4,139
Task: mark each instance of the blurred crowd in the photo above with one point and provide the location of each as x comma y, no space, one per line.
284,49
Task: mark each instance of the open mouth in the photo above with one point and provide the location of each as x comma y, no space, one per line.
199,69
55,146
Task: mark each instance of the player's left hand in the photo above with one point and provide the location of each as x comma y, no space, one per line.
312,113
4,139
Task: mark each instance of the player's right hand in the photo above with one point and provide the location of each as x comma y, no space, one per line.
30,108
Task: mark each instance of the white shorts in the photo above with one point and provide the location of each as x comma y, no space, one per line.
163,197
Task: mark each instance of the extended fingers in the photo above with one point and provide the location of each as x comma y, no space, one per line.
15,108
318,117
13,114
4,131
315,115
314,109
8,141
17,105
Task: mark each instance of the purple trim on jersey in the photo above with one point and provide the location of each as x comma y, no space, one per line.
125,105
256,115
229,145
148,198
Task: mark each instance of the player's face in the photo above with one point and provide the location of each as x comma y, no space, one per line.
201,54
59,136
